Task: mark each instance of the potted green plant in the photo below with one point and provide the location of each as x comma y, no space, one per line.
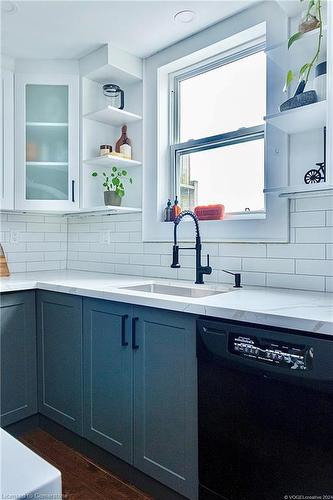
312,19
114,185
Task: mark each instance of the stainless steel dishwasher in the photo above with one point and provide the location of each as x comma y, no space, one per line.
265,402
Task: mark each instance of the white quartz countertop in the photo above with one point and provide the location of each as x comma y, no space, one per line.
294,309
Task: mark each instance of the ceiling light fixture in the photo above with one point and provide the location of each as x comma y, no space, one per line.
9,7
184,16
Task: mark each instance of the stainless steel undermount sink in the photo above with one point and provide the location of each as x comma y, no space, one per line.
180,291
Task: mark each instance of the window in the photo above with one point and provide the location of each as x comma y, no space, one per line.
218,132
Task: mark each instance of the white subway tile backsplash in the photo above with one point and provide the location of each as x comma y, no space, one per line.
329,218
314,235
130,269
329,284
269,265
43,246
24,256
161,272
296,251
329,251
317,203
146,260
17,267
307,219
314,267
44,266
314,283
136,248
113,244
40,227
242,249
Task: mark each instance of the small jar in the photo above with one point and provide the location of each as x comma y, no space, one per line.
105,149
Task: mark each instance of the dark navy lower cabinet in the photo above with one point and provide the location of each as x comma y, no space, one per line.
18,356
165,398
59,335
108,387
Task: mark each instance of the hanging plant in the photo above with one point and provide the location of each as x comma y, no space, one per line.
312,20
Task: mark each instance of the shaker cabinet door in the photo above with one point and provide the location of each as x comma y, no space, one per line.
165,408
108,357
18,357
59,335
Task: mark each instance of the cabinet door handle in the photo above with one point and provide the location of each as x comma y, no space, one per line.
134,344
73,191
124,343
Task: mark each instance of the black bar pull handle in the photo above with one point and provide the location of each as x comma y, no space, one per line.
134,344
73,191
123,330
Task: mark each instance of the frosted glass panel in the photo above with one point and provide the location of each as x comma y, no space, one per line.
47,103
47,182
46,142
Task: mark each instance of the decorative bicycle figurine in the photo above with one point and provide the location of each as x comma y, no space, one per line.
315,174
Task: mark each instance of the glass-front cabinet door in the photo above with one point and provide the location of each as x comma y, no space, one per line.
47,142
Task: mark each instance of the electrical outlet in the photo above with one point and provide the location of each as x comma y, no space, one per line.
14,237
105,238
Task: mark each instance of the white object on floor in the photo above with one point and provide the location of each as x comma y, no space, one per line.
24,474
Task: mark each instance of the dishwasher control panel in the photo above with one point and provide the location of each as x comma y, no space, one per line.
285,355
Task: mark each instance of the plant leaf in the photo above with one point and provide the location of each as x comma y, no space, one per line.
289,79
124,172
303,69
131,180
293,38
104,174
94,174
114,169
116,181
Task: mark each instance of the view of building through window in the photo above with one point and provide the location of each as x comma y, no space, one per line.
230,175
228,98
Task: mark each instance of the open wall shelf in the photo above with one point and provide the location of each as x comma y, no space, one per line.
110,161
301,119
113,116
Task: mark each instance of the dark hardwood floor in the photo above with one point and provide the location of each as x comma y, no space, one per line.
81,478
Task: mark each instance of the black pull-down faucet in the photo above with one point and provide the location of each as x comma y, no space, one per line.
199,269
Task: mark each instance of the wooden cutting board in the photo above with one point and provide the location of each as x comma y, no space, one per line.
4,271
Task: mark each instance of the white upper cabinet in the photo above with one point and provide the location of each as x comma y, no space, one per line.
47,142
7,141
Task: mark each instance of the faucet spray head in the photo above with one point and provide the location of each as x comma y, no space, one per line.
175,257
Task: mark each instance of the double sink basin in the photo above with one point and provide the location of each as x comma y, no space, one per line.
180,291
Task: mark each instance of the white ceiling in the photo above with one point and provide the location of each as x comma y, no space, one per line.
71,29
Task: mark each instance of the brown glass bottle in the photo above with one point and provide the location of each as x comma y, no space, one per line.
123,139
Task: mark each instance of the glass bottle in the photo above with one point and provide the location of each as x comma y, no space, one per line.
124,145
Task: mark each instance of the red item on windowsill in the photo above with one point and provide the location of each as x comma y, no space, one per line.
209,212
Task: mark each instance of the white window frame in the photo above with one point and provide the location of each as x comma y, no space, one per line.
225,37
244,134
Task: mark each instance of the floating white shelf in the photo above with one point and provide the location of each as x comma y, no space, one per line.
113,116
107,209
46,124
109,161
300,119
302,190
